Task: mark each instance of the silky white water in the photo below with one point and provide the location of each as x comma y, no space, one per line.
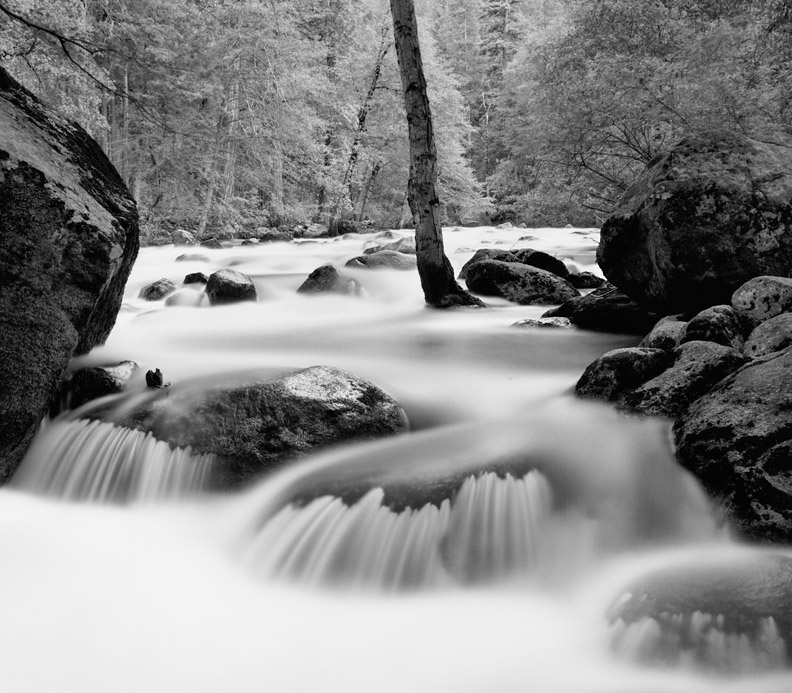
504,584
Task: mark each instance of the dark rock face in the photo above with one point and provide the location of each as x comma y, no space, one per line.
772,335
683,611
157,290
230,286
486,254
585,280
666,334
91,383
620,371
68,239
255,427
542,260
737,440
606,310
519,283
196,278
717,324
697,368
384,259
762,298
326,279
711,214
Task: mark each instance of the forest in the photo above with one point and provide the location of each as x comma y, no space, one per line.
222,115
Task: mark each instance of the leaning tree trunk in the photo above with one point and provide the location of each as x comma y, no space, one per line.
437,276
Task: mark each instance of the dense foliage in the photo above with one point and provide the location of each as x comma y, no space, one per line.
222,113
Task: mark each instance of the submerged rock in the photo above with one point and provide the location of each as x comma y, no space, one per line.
384,259
556,323
157,290
192,257
88,384
606,309
703,219
255,427
519,283
68,239
229,286
327,279
737,439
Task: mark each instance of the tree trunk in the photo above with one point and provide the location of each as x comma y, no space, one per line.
367,190
437,276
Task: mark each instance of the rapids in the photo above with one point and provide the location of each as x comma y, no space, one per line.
483,551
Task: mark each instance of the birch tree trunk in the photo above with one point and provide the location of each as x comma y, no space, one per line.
437,276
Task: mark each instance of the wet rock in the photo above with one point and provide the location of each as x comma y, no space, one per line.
155,379
585,280
182,237
276,237
326,279
702,220
762,298
771,336
737,439
402,245
717,324
696,369
519,283
542,260
196,278
192,257
666,334
619,371
157,290
212,244
486,254
230,286
557,323
727,612
88,384
68,239
606,309
384,259
255,427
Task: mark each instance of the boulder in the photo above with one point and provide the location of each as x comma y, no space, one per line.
619,371
585,280
87,384
545,323
737,439
182,237
276,237
542,260
666,334
384,259
696,369
157,290
326,279
68,239
192,257
519,283
195,278
486,254
762,298
703,219
606,310
257,426
402,245
727,612
717,324
230,286
772,335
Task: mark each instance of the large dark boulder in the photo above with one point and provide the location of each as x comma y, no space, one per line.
255,427
486,254
703,219
68,239
737,440
606,310
619,371
92,382
229,286
718,324
666,334
542,260
520,283
327,279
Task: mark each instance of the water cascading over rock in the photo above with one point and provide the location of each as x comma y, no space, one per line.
68,239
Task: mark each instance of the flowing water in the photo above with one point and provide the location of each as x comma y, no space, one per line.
492,548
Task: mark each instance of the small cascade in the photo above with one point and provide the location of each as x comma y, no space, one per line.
95,461
700,640
489,530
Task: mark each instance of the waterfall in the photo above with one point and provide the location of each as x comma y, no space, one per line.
490,529
86,460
